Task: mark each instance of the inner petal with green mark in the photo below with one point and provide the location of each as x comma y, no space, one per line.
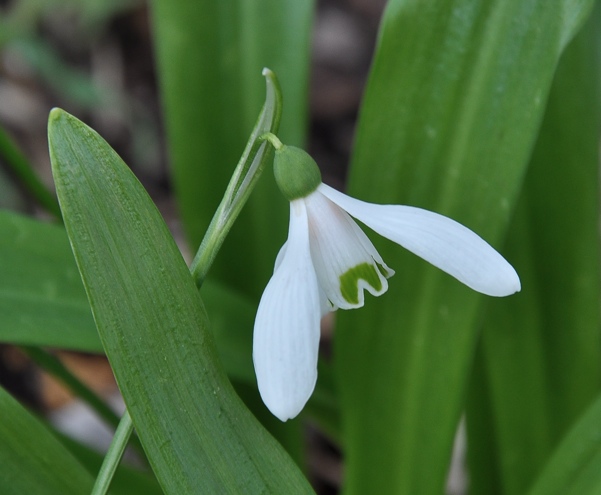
350,281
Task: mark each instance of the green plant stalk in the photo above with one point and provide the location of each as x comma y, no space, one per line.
250,166
236,195
23,170
207,130
114,455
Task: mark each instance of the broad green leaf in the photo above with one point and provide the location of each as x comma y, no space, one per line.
42,301
451,111
198,435
32,460
575,466
541,351
210,57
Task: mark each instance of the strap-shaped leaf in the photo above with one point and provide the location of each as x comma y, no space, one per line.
575,467
42,301
32,460
540,363
198,435
451,111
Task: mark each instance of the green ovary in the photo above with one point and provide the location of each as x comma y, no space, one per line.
349,281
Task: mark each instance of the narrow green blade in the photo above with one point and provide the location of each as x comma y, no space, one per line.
198,435
575,467
21,168
541,352
451,111
210,57
32,460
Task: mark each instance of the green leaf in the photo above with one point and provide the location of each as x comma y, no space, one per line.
198,435
541,352
575,467
451,111
32,460
42,301
210,56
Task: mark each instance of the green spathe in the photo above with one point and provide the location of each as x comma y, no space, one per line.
349,281
296,173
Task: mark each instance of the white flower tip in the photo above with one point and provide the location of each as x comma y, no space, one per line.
492,275
506,283
286,405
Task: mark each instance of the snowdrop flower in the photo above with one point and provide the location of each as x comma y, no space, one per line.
327,263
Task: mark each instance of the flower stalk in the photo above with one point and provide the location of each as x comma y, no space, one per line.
234,199
114,455
252,163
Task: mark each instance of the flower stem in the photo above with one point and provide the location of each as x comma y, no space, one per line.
114,455
273,139
235,197
256,154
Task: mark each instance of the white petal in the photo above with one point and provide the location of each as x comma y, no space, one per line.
286,334
345,260
324,302
439,240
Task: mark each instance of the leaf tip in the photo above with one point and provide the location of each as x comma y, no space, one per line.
55,114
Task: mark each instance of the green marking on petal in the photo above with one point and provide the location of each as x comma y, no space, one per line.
349,281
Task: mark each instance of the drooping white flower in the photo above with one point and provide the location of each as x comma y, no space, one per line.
327,263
